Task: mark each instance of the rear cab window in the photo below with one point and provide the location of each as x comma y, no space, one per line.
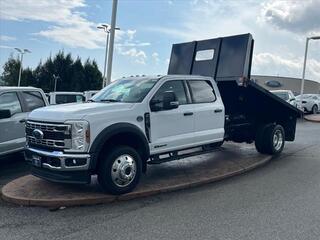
68,98
201,91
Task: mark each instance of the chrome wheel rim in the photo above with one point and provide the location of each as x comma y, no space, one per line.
123,170
277,140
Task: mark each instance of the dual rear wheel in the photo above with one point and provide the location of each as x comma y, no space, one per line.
270,139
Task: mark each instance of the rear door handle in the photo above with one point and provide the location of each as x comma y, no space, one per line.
218,110
188,114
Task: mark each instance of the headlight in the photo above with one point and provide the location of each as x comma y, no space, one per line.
80,136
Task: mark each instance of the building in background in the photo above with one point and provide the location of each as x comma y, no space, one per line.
286,83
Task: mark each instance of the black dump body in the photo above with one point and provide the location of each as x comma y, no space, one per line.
228,60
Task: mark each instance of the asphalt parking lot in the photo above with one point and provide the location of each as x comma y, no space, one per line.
280,200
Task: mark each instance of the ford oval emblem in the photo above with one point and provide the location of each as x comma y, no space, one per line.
273,83
38,134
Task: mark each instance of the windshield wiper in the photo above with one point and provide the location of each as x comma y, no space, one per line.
109,100
91,100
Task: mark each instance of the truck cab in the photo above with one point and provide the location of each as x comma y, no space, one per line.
138,118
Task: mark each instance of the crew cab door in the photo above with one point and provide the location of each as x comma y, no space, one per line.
171,129
12,135
208,112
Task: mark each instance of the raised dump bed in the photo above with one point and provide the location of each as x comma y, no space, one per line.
247,105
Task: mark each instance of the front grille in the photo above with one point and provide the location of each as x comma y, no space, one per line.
55,136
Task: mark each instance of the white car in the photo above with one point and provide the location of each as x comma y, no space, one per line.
310,102
286,95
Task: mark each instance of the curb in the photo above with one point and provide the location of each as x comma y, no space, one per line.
313,118
139,193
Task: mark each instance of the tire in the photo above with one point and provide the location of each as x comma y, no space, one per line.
270,139
314,109
120,170
259,139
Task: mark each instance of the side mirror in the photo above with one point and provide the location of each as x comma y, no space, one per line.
5,113
170,100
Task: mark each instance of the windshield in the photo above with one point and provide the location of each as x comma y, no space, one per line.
125,90
283,95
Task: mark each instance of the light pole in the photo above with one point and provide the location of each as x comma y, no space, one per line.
22,52
106,28
305,63
112,33
55,77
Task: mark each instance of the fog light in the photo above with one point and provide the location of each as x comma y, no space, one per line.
73,162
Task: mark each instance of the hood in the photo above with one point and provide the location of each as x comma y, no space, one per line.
74,111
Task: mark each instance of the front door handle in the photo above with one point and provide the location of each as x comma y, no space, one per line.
218,110
188,114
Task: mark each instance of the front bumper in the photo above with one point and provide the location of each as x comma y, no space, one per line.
57,166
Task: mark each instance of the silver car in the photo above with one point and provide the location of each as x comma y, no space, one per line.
15,104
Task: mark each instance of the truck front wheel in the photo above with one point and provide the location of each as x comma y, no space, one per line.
120,170
270,139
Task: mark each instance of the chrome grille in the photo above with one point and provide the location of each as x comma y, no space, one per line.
48,127
55,136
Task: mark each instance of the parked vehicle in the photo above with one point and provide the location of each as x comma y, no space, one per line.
65,97
89,94
310,102
286,95
150,120
15,105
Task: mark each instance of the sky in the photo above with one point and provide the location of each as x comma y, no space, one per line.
148,28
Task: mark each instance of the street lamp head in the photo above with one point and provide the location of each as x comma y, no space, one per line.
26,50
315,38
18,49
106,26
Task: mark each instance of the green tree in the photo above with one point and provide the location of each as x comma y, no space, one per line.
10,74
92,75
71,74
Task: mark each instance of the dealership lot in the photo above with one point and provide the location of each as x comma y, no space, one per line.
277,201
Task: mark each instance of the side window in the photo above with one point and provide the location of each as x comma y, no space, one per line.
201,91
33,100
79,98
176,86
10,101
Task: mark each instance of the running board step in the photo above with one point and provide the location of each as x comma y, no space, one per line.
176,155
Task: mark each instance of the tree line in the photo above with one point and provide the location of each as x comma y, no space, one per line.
71,74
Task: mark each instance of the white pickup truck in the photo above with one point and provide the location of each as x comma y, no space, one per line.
149,120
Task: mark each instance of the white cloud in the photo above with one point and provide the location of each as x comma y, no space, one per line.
5,47
139,56
6,38
265,63
155,57
70,26
295,16
58,11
